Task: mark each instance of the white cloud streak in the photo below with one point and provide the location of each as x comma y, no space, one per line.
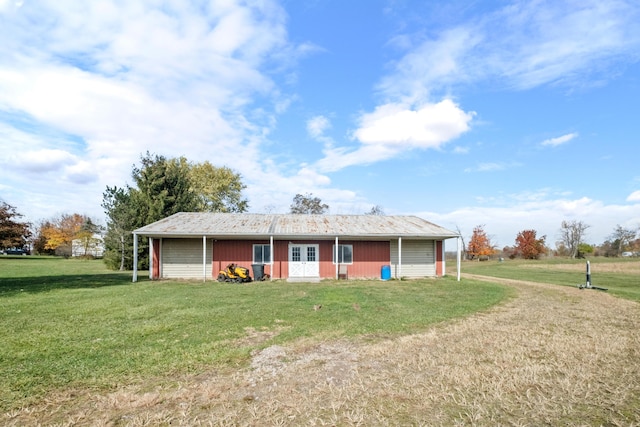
634,197
554,142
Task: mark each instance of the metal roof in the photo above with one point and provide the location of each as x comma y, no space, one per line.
246,226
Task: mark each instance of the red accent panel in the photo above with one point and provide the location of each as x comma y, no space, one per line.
155,274
439,259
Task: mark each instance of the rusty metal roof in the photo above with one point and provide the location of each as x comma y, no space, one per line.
245,226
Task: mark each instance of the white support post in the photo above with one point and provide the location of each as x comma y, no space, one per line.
399,258
271,257
204,258
335,258
150,258
459,256
135,257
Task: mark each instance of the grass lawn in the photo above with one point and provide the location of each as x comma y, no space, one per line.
74,324
621,276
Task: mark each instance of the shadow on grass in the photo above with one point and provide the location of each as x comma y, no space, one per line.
15,285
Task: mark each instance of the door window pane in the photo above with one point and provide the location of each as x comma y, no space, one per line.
295,254
311,253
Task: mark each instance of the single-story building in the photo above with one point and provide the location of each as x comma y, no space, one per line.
294,247
93,246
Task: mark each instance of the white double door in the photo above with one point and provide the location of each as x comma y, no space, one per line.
304,260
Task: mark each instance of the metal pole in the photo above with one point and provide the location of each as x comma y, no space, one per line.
459,256
204,258
135,257
588,274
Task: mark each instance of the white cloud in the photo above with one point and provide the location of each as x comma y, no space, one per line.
428,126
634,197
316,126
538,43
110,80
42,160
492,167
554,142
543,212
461,150
395,128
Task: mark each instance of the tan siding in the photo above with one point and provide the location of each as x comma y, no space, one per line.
418,258
182,258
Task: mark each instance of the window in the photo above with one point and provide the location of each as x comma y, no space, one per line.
345,254
261,254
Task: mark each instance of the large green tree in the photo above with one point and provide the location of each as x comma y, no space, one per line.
121,221
217,189
13,232
162,188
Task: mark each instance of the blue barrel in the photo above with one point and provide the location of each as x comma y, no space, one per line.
385,272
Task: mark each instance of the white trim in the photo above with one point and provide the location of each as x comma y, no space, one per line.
204,258
271,263
459,256
150,258
135,257
335,258
399,258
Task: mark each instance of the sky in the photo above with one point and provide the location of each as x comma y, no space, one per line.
510,115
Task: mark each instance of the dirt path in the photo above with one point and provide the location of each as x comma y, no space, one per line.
549,356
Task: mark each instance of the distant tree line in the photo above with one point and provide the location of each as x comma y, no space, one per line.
571,243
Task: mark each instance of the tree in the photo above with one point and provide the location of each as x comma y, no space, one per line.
87,236
58,233
13,232
217,189
40,240
162,188
479,245
376,210
621,238
121,221
528,246
307,204
572,233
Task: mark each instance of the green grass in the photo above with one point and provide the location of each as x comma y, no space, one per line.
621,276
73,324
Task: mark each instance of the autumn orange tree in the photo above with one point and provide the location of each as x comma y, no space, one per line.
529,246
480,245
57,234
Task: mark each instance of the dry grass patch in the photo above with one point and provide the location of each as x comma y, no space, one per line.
551,356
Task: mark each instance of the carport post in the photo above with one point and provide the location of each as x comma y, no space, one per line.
335,257
135,257
459,256
399,258
150,258
204,258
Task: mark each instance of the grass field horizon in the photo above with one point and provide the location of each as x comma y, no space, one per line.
620,276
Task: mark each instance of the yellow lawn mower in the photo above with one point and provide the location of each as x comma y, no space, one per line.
234,274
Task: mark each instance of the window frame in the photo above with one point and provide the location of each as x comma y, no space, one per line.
262,250
341,253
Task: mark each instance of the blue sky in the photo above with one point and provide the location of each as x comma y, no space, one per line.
509,114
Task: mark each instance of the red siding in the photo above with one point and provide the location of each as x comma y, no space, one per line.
368,257
155,273
439,259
